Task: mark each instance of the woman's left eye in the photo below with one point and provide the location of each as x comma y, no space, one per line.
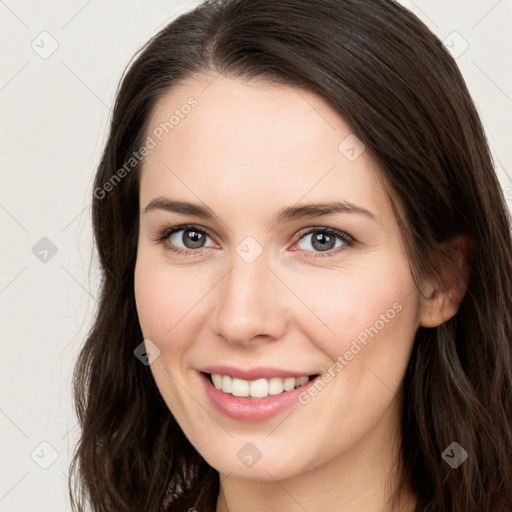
322,240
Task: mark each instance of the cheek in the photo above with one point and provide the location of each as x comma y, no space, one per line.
359,297
168,301
151,301
374,321
372,318
361,308
155,295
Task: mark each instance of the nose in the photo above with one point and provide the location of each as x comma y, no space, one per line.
251,302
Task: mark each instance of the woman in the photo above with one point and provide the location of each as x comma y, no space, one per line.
306,262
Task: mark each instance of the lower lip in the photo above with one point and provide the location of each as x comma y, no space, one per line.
253,410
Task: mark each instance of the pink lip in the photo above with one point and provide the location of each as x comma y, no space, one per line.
253,373
252,410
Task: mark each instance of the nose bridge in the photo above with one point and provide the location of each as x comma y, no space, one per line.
249,302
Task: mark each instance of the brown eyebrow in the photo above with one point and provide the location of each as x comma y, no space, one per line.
287,214
161,203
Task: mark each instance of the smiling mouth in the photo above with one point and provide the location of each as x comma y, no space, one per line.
259,388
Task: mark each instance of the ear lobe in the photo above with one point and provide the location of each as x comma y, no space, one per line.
441,296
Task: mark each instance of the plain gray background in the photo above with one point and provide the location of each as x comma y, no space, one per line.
55,111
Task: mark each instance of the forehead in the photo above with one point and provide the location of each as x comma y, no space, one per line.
262,143
257,115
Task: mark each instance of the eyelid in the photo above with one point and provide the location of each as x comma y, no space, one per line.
167,232
326,229
347,239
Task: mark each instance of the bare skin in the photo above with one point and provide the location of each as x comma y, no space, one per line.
247,151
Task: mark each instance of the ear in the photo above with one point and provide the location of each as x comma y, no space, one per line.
441,295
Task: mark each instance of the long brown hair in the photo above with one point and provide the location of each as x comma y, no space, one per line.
394,82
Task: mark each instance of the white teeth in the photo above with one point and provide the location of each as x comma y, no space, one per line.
217,380
301,381
227,383
240,387
275,386
289,384
259,388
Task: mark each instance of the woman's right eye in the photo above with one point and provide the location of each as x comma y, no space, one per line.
190,236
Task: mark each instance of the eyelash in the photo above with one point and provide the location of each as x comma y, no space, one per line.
162,238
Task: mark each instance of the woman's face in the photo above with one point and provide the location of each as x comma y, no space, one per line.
264,289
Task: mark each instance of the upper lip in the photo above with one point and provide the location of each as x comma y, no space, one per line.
249,374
